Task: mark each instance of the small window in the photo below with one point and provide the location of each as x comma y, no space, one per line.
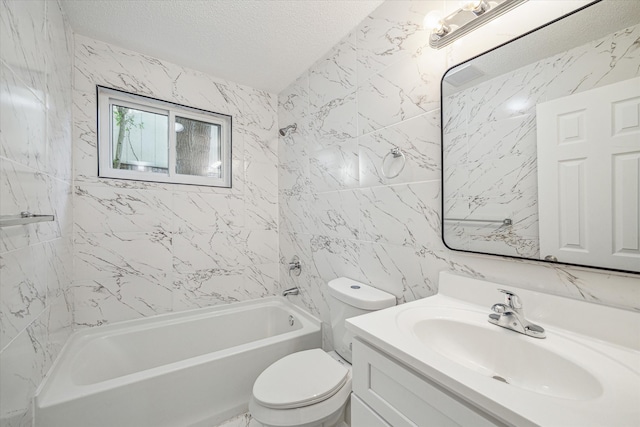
145,139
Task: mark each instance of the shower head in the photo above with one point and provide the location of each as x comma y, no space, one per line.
286,131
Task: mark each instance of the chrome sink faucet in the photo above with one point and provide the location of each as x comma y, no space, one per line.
510,315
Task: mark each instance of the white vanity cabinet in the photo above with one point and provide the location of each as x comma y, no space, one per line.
386,393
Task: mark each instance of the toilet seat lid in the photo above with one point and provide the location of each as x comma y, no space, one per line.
299,379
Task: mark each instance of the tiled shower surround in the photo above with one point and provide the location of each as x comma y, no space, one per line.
143,248
380,88
36,51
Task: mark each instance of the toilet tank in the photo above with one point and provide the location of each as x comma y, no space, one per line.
348,298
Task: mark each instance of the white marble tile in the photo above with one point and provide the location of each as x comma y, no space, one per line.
396,269
24,189
509,95
111,255
404,90
455,148
261,246
200,251
253,107
121,297
336,214
23,40
455,111
207,287
334,121
24,364
59,93
419,140
200,90
58,264
509,176
334,75
509,137
63,207
295,215
85,136
605,61
261,281
261,195
293,178
103,209
335,257
207,212
335,168
402,214
23,288
99,63
60,322
35,175
259,145
392,32
293,102
597,286
23,121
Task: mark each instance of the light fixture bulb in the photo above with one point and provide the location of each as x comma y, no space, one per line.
477,7
179,127
432,20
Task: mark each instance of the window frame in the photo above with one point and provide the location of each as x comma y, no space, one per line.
107,97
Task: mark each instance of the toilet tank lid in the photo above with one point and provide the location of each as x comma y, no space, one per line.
360,295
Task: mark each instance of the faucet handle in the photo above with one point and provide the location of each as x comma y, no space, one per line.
511,299
500,308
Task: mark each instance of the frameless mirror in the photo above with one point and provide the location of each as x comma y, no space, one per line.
541,143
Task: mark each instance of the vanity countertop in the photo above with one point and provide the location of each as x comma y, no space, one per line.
586,372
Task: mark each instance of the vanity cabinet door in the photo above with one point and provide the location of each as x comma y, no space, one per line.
404,398
363,416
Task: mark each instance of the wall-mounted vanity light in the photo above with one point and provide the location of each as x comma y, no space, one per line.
472,15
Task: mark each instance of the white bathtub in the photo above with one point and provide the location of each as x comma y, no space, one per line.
193,368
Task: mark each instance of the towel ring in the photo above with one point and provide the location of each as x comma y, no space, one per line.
395,152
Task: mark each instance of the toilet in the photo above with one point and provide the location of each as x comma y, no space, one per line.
311,388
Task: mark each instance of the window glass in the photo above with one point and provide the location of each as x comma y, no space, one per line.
198,149
140,140
146,139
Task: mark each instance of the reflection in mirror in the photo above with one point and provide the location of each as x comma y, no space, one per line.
541,143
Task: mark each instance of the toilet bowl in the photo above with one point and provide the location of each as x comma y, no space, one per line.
311,388
288,393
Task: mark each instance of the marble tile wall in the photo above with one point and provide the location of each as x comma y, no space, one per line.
148,248
36,57
503,111
377,89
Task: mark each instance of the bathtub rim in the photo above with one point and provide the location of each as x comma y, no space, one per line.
310,324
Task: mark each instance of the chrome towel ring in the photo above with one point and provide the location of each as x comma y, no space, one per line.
395,152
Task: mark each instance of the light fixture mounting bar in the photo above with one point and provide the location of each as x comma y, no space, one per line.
464,20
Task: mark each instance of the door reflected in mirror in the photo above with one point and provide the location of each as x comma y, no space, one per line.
541,143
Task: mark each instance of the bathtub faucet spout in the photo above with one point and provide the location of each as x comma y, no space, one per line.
291,291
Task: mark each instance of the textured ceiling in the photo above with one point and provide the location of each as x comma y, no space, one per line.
265,44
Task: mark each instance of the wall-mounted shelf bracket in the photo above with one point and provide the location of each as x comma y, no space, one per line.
24,218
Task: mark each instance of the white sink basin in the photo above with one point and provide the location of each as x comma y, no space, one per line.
503,355
584,373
